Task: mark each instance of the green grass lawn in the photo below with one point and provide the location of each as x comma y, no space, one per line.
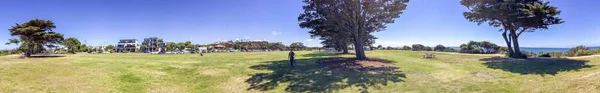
270,72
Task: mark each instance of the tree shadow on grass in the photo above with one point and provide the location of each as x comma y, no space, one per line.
325,54
540,66
325,75
45,56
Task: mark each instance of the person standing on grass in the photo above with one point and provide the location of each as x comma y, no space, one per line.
291,56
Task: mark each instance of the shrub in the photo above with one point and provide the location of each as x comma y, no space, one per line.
556,54
484,46
418,47
544,54
477,51
582,53
528,54
502,50
439,48
406,47
448,49
574,51
427,48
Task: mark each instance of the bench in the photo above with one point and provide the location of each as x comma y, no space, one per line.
429,55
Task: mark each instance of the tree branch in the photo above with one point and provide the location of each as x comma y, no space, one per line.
522,30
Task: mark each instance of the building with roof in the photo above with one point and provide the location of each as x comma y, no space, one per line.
154,44
127,45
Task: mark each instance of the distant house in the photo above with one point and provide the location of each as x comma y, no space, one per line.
127,45
154,44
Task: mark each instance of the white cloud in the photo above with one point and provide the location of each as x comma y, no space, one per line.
275,33
247,37
309,40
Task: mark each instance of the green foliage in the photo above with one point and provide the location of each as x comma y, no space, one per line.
578,51
9,52
277,46
353,20
427,48
513,17
557,54
297,46
143,47
450,50
583,53
73,44
188,44
439,48
84,48
502,49
34,34
13,41
528,54
545,54
477,51
389,48
110,48
485,46
171,45
180,46
418,47
405,47
551,54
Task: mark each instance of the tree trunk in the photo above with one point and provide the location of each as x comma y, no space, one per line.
29,50
517,49
344,48
510,50
358,47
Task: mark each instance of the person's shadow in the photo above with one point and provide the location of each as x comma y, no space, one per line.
332,75
540,66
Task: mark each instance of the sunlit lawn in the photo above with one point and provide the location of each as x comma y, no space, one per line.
270,72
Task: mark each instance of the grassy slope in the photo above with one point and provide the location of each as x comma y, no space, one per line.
229,72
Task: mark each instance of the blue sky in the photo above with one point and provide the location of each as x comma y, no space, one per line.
428,22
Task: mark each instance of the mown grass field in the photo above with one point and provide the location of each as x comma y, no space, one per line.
269,72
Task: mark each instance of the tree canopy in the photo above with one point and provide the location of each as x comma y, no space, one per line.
35,33
73,44
297,46
351,19
513,17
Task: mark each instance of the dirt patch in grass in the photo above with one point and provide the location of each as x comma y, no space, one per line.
153,72
589,75
373,64
235,85
483,75
167,87
213,71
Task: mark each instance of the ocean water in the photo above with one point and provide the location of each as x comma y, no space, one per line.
538,50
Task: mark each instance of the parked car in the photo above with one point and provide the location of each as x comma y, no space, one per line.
179,52
170,52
